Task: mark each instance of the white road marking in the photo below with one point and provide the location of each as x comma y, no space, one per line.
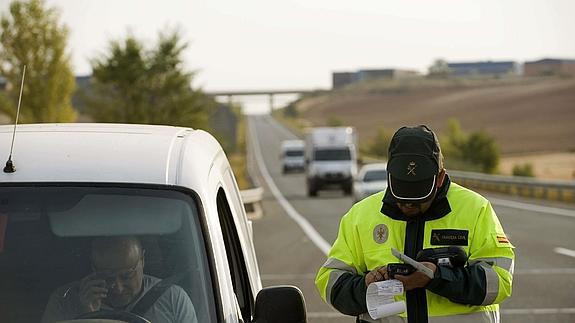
307,228
533,207
508,311
545,271
565,252
537,311
531,271
318,315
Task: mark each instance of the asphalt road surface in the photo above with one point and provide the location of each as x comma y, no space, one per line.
293,236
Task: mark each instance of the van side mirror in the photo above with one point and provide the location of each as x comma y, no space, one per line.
280,304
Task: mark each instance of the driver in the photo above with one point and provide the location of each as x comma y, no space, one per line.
117,283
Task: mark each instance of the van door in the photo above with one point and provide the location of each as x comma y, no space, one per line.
235,256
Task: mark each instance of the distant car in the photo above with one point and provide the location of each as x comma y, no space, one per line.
172,187
372,178
292,155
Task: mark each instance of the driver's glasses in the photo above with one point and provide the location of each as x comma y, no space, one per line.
112,276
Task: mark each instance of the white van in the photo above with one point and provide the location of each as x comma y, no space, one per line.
171,187
331,158
292,155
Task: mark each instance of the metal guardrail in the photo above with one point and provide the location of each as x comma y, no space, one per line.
516,185
252,202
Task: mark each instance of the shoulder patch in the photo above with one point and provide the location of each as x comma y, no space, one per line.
501,240
380,233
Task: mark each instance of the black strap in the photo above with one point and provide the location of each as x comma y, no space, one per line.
152,295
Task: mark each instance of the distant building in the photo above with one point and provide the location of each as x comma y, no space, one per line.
487,68
340,79
550,66
2,83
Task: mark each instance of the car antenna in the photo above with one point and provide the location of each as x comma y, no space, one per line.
9,168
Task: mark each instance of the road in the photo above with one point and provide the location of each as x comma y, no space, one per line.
292,238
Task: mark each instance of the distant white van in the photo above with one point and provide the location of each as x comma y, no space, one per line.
331,158
171,187
292,155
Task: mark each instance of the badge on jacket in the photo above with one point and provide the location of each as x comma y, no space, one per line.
451,237
380,233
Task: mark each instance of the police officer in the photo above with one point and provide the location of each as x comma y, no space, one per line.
420,209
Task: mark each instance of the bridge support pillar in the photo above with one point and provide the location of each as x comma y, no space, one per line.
271,99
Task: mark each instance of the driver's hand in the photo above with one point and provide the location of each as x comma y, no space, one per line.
92,291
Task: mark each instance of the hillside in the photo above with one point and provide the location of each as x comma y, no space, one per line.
524,117
532,120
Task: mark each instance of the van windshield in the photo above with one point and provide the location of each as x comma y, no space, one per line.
294,153
375,175
53,238
332,154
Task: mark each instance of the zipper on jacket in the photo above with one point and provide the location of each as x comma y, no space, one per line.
416,299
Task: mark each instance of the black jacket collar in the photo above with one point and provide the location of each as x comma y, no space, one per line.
438,209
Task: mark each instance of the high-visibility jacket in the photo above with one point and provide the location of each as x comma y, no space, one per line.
457,216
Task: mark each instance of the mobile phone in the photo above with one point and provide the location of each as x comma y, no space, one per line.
399,269
106,277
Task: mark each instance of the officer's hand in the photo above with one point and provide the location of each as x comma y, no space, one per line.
92,291
378,274
417,279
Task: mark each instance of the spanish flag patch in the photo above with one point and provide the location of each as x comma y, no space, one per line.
502,239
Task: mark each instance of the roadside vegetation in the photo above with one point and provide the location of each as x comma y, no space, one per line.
31,35
237,151
131,82
290,118
525,170
134,84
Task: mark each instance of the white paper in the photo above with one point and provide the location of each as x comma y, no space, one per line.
418,266
380,298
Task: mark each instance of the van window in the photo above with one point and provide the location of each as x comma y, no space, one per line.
238,269
47,231
375,175
332,154
294,153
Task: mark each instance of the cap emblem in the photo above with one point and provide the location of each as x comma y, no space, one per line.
411,168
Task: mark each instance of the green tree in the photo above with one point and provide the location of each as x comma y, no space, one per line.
290,111
333,121
132,84
31,35
439,69
523,170
454,141
380,143
482,150
474,151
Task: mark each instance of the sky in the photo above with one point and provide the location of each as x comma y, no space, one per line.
297,44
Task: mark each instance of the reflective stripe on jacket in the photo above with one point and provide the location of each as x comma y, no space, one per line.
458,216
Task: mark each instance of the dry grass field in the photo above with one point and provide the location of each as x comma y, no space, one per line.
529,118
